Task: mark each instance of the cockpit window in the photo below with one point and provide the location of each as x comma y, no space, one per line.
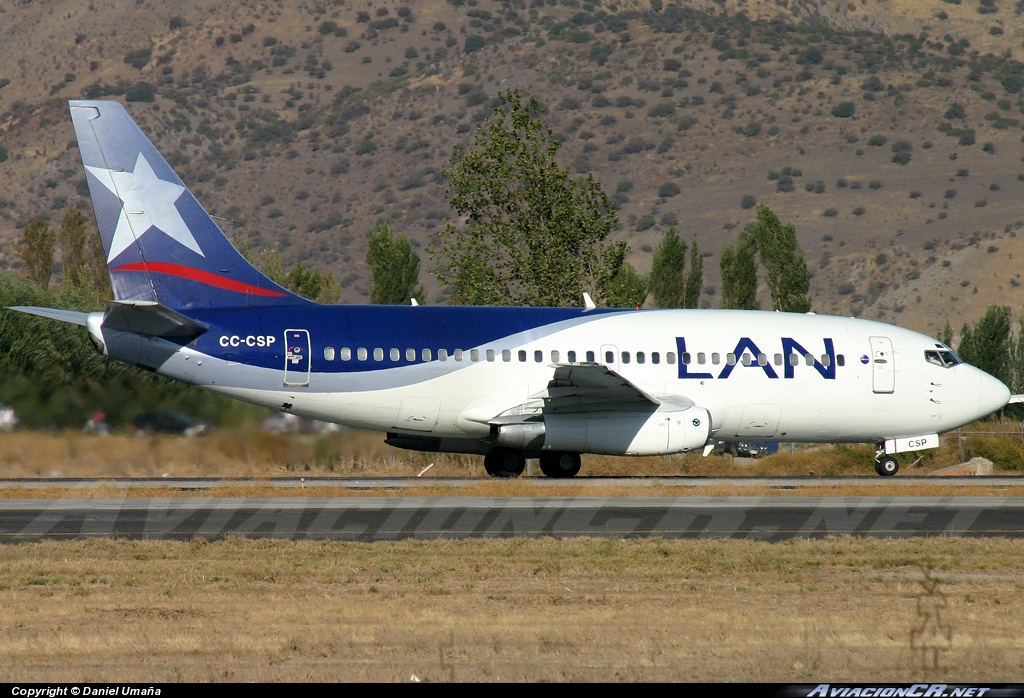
945,359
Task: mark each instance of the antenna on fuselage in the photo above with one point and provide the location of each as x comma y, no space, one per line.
588,302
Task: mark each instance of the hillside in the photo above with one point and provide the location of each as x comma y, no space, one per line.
888,132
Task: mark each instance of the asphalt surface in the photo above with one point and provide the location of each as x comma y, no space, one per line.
775,518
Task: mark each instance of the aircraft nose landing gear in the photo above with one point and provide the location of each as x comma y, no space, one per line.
885,465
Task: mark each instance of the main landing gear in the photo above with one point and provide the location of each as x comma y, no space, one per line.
508,462
504,462
885,464
555,464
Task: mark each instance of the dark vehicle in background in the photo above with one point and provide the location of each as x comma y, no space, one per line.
747,449
148,423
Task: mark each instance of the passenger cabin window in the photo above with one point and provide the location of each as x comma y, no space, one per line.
378,354
395,355
826,360
670,358
730,359
778,359
361,353
506,355
442,354
571,357
625,357
329,353
458,355
538,356
474,354
701,358
554,356
490,355
640,357
590,357
762,359
410,354
747,359
686,358
840,360
346,354
655,357
609,357
425,354
522,355
716,358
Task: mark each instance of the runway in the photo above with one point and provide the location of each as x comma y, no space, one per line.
386,483
369,519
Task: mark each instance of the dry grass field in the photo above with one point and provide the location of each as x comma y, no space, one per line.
521,610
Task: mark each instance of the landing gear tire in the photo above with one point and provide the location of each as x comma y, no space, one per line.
504,462
886,466
559,464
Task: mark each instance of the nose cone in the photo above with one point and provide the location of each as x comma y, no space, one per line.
994,394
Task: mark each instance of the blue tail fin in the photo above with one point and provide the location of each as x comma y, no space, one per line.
160,244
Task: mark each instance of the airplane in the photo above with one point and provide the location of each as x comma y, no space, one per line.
507,383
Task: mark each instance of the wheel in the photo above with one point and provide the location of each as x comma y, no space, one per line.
558,464
504,462
887,466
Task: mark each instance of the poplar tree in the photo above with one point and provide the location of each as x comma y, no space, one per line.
694,278
668,271
671,283
394,267
533,235
738,266
783,260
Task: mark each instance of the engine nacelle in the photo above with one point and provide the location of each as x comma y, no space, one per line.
613,433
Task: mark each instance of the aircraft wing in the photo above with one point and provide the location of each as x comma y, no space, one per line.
592,388
577,389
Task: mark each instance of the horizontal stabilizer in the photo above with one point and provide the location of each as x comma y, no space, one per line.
71,316
150,319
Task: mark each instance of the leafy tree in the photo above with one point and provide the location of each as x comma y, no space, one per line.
313,284
533,235
618,284
35,248
987,345
784,261
53,376
394,268
738,266
307,282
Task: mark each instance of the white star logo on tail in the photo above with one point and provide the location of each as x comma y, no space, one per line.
146,202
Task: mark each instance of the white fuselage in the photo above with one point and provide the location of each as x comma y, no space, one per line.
870,384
